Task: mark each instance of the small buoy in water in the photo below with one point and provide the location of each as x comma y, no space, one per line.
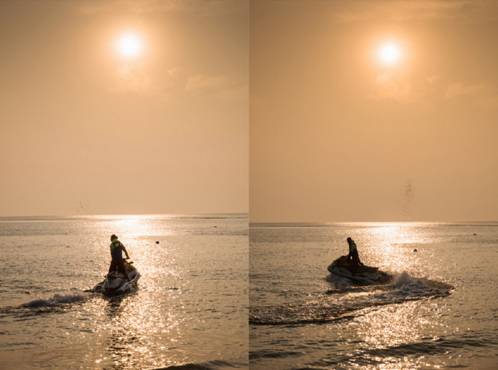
475,234
415,250
157,241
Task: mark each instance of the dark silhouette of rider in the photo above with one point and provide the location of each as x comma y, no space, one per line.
117,262
353,253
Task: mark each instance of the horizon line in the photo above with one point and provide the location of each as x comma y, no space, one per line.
122,215
332,223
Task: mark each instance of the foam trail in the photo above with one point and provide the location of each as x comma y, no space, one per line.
327,308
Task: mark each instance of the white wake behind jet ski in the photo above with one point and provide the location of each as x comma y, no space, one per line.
115,283
358,275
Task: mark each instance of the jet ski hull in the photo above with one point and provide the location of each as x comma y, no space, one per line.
116,283
358,275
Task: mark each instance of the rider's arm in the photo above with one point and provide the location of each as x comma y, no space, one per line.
124,250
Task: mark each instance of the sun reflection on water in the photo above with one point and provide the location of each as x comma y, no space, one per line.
142,328
393,245
390,334
145,327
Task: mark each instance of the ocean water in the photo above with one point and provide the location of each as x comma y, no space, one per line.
190,310
440,311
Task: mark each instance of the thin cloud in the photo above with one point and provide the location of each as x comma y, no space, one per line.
204,83
144,7
458,89
407,10
482,94
393,86
219,85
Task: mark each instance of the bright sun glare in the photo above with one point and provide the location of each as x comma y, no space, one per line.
389,53
129,45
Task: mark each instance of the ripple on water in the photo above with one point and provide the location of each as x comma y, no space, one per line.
209,365
385,355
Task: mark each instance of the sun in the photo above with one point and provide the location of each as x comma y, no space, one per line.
129,45
389,53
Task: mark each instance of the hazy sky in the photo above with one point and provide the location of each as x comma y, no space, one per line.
339,134
85,129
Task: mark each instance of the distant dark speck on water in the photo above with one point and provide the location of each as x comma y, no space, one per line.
157,241
415,250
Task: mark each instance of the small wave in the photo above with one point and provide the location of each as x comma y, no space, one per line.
345,304
56,300
307,313
209,365
273,354
377,356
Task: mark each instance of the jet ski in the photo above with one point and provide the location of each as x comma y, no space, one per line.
116,283
344,268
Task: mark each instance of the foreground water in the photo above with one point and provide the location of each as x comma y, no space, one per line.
190,310
441,310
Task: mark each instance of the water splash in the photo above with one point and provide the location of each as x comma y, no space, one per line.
56,301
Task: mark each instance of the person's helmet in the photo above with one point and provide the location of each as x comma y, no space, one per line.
113,237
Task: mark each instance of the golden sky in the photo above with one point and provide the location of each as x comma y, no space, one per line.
156,124
373,110
359,110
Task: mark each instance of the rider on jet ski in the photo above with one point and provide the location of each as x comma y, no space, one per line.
349,267
353,253
117,249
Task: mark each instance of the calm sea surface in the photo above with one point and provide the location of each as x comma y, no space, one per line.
190,310
441,311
